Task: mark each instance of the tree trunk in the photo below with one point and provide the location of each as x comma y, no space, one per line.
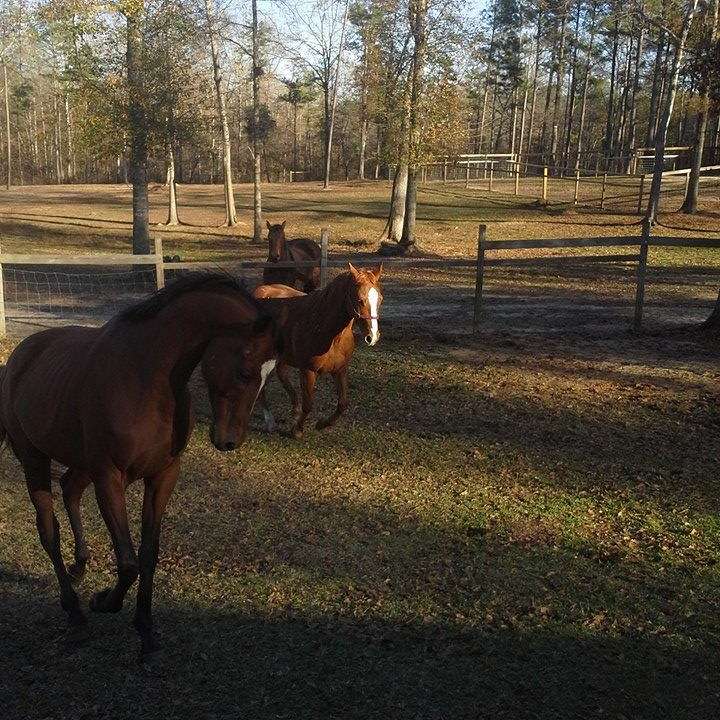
256,72
138,133
655,93
583,102
70,148
418,21
633,109
607,146
172,194
8,153
689,205
558,88
328,151
230,212
396,217
538,33
654,199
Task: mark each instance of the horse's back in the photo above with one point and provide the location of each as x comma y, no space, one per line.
276,290
305,246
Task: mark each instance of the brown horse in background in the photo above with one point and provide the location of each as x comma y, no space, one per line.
317,337
281,250
112,404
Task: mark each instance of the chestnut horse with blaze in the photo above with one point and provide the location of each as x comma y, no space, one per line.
317,337
112,404
281,250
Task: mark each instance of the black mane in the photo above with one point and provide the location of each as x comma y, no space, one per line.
191,282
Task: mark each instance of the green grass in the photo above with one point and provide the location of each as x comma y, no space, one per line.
497,529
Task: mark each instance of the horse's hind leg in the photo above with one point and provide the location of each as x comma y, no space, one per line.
110,494
73,484
341,387
283,373
37,477
307,387
157,493
268,418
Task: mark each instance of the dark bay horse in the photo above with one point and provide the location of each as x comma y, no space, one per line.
282,250
317,337
112,404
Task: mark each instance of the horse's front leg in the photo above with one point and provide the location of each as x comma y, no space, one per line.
157,493
73,483
110,494
308,379
341,387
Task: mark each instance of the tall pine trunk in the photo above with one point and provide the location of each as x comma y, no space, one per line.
660,140
230,212
256,72
689,205
138,133
418,22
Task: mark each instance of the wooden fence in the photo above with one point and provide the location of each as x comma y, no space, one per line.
643,242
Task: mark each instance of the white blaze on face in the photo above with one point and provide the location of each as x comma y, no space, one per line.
373,297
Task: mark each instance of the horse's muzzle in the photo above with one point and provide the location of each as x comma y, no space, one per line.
372,339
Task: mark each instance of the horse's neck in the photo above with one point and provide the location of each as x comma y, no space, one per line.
172,343
328,313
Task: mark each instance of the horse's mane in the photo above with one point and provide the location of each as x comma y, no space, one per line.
190,282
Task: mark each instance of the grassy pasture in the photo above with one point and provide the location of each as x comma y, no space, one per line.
520,524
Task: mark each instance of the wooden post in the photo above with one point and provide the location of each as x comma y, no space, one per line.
544,185
602,192
642,267
577,187
324,237
491,177
3,327
467,175
445,171
687,184
159,266
641,192
479,271
517,178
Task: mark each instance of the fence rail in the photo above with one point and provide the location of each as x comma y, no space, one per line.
643,241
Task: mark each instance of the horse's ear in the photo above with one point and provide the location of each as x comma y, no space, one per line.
355,272
267,222
283,224
377,272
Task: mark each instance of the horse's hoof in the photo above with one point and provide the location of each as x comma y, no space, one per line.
103,602
76,571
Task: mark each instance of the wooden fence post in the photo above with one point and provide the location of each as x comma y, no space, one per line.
324,237
445,171
602,192
517,178
479,271
642,267
467,175
641,192
159,266
3,327
544,185
491,177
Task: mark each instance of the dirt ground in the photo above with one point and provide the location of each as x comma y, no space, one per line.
516,523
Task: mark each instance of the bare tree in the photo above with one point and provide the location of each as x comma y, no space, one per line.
213,37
